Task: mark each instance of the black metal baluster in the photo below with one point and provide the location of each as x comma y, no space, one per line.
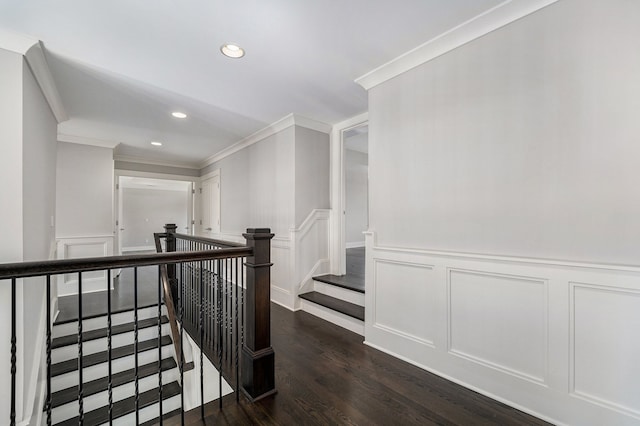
181,291
135,343
220,331
109,348
48,319
201,343
228,311
12,416
80,379
237,342
160,343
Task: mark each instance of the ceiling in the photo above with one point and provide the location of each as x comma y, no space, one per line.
123,66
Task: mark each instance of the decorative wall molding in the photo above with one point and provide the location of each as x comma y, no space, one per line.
628,294
276,127
527,332
84,140
40,69
16,42
488,21
132,159
513,280
80,247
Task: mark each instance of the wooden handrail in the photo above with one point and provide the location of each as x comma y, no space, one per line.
168,302
67,266
209,241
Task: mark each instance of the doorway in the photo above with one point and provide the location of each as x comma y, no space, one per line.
356,199
145,205
210,199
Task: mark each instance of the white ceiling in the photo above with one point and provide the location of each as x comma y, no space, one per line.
122,66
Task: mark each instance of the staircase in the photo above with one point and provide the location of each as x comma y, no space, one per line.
64,370
336,299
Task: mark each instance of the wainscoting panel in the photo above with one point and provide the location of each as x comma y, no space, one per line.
81,247
559,340
281,272
499,321
411,288
605,346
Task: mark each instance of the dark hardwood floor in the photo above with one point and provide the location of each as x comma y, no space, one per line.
95,304
325,375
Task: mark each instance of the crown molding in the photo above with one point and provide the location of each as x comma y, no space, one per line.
40,69
33,52
140,160
84,140
276,127
15,42
488,21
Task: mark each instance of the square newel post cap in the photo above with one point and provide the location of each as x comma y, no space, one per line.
171,227
258,234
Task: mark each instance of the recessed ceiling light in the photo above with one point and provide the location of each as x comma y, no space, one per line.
178,114
154,143
232,50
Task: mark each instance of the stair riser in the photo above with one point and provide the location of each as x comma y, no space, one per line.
100,345
66,329
334,317
101,399
149,413
66,380
339,293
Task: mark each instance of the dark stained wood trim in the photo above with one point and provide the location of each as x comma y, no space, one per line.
338,305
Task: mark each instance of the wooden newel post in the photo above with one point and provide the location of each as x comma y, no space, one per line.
170,229
258,362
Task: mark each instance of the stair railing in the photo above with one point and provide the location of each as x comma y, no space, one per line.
257,357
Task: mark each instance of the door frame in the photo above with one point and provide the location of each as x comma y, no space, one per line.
338,245
210,175
118,198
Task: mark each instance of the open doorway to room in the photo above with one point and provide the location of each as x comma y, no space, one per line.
145,205
356,201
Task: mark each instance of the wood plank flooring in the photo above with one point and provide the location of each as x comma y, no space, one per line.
325,375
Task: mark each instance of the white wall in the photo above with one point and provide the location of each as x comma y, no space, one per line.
356,196
520,143
146,211
257,185
311,172
84,190
39,205
84,210
278,183
28,134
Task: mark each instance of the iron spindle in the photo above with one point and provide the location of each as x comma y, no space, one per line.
220,338
109,349
201,343
12,416
236,346
48,319
80,379
135,343
181,315
160,343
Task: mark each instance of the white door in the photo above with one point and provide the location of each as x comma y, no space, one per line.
211,205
